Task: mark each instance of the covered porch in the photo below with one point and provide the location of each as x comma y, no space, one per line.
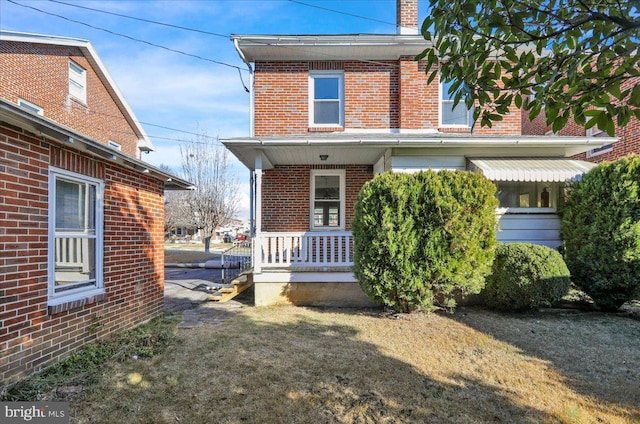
298,262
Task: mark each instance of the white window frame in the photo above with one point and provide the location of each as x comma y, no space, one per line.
77,81
313,75
31,107
98,285
328,173
115,145
442,100
597,132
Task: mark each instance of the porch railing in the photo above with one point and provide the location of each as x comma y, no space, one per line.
303,249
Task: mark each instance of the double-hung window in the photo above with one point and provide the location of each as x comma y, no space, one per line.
597,132
326,99
77,81
450,116
75,236
327,199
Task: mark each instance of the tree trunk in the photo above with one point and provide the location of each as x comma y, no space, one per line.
207,244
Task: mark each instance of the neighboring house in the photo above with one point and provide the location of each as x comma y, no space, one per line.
628,136
81,217
329,112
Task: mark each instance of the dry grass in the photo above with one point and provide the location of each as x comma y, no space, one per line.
185,256
299,365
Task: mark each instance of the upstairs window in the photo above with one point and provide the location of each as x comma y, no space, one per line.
450,116
115,145
77,81
327,199
597,132
31,107
326,95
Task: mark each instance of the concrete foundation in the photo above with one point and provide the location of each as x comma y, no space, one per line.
341,294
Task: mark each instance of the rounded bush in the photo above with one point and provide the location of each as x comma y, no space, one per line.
601,232
525,276
424,236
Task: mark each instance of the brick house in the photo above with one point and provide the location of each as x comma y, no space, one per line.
628,136
328,112
81,216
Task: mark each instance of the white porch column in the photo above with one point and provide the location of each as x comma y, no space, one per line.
257,247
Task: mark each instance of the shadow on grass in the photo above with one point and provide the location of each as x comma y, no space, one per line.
279,365
597,354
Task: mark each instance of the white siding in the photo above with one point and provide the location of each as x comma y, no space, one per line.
422,163
534,228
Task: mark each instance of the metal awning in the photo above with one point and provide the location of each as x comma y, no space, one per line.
542,169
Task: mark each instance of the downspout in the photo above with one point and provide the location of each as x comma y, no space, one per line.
252,177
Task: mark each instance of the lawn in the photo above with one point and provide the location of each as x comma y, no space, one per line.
191,252
313,365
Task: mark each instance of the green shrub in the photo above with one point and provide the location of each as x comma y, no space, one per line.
601,232
425,236
525,276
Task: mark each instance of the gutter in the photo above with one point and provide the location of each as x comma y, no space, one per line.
39,125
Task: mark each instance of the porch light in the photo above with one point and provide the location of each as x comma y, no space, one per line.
324,157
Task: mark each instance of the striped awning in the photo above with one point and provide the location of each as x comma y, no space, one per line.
541,169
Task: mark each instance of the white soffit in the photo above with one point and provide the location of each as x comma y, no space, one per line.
541,170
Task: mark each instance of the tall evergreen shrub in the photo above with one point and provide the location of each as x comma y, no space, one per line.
601,232
424,238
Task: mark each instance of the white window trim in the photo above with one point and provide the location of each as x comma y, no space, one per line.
600,151
440,102
326,74
31,107
78,77
115,145
327,172
82,292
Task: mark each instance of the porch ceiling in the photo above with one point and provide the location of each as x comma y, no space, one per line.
351,148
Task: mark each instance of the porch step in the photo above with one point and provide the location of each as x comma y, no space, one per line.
239,284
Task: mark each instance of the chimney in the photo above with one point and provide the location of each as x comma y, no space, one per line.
407,17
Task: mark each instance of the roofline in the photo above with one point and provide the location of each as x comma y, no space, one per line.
92,56
416,140
17,116
314,46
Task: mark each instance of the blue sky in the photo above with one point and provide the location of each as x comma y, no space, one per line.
168,89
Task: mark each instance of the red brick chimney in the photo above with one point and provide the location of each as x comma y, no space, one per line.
407,16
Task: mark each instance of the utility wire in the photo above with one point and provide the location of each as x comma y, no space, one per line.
129,37
143,20
212,138
353,15
327,55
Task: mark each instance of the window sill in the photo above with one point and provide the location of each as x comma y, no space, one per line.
511,211
336,128
60,305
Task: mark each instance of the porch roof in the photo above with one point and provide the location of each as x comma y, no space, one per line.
539,169
367,148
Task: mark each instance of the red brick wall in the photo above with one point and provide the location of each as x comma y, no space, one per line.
382,95
31,335
286,195
39,73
